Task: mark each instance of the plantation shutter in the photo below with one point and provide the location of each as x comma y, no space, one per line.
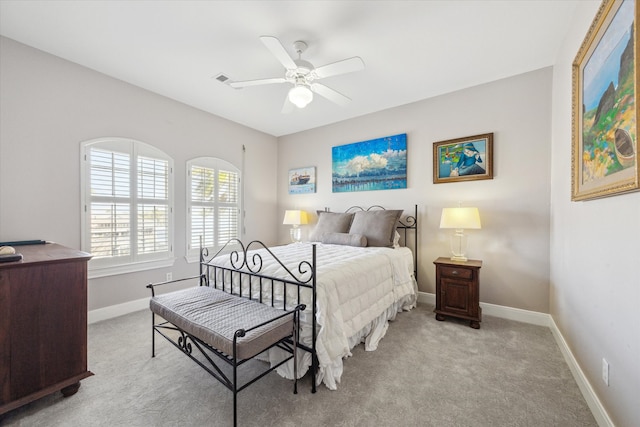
202,207
153,205
110,203
228,189
214,210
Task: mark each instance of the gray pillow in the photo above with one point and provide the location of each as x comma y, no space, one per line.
357,240
377,226
331,222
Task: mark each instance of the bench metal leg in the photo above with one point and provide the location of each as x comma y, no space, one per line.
153,334
295,351
235,393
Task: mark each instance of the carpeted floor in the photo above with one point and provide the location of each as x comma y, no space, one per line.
424,373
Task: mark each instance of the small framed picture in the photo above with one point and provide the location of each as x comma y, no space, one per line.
463,159
302,180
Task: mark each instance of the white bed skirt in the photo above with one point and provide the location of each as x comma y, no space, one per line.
370,335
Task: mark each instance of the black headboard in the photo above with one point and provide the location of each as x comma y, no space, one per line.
405,223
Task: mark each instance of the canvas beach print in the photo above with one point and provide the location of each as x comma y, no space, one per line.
377,164
463,159
605,115
302,180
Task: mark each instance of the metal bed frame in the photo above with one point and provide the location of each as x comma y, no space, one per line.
241,266
305,277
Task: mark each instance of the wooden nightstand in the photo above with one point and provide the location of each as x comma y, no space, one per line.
458,290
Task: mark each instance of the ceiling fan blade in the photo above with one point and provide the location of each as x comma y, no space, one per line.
341,67
287,107
330,94
246,83
274,45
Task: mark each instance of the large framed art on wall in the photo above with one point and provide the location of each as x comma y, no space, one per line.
605,116
376,164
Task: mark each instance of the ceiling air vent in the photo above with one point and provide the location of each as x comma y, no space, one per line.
223,78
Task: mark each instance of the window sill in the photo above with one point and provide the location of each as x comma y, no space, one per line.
129,268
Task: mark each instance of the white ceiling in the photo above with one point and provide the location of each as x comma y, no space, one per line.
412,49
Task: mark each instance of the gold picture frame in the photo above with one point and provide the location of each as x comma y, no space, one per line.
463,159
604,160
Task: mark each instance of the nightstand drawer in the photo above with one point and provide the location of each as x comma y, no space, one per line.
457,273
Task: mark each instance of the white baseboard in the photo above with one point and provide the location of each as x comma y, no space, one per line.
426,298
526,316
117,310
543,319
517,314
598,411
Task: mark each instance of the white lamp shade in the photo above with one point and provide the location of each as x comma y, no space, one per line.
300,96
295,217
460,218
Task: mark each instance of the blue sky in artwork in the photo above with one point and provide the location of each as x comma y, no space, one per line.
388,153
604,64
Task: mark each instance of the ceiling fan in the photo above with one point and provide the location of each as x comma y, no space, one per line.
303,75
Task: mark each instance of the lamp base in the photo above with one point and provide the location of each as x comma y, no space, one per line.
458,246
296,234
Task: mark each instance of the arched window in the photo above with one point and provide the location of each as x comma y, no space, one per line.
127,206
213,204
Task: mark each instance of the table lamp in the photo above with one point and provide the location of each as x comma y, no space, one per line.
295,218
459,218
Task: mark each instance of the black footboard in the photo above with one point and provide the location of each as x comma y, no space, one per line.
239,270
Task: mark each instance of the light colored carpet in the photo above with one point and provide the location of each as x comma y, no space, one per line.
424,373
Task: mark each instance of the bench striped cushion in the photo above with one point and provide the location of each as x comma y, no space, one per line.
213,316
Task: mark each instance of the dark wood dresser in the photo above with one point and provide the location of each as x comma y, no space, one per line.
43,324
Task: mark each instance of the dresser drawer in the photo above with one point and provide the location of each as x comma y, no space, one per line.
456,272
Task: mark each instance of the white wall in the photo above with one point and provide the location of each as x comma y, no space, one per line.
49,106
595,253
514,206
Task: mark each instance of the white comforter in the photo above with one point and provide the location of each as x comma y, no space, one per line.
358,290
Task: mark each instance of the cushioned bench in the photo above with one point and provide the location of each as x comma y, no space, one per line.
214,316
232,327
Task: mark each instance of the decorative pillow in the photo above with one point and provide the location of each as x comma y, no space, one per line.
331,222
347,239
377,226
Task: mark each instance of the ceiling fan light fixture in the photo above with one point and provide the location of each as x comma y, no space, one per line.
300,96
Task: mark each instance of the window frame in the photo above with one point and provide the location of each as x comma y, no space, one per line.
215,163
107,266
